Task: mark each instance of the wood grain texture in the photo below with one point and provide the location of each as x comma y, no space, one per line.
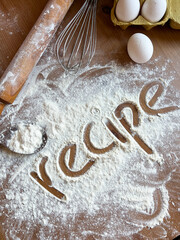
111,43
2,105
17,17
113,39
32,49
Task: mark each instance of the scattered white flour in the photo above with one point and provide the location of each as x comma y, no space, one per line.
26,139
124,190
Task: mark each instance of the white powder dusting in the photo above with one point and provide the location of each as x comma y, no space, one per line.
26,139
125,189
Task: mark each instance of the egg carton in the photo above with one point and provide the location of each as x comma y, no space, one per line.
172,14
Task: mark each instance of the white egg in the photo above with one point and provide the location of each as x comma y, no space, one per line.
140,48
127,10
154,10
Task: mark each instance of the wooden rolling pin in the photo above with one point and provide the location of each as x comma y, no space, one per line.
31,50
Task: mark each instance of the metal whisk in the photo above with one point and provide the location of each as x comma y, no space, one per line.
76,44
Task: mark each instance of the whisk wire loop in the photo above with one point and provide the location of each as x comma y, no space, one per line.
75,46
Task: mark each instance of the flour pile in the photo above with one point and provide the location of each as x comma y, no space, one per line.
26,139
124,189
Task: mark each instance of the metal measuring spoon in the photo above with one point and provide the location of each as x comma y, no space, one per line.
7,134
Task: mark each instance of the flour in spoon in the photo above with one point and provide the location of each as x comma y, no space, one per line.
26,139
125,189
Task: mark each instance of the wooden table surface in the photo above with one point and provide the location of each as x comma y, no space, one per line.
18,16
16,19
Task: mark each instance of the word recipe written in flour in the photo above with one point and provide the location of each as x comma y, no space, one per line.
66,166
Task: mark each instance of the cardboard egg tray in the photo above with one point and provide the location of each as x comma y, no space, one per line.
172,15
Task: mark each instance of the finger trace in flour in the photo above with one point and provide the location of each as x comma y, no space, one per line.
123,189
